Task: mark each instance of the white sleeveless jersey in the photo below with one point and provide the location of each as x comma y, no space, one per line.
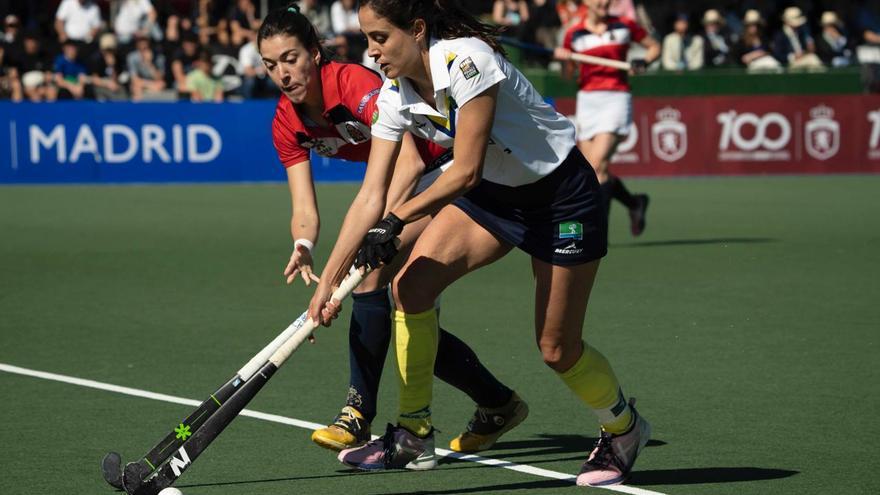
529,138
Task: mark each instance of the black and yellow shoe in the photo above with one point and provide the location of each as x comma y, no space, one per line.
348,430
488,425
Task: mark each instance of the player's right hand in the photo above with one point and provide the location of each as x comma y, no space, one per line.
300,264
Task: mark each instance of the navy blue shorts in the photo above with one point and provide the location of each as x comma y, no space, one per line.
560,219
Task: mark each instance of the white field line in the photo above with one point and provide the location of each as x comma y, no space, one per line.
521,468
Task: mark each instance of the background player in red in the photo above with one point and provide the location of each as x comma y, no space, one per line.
604,103
327,107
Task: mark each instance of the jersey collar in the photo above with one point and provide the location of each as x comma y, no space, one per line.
410,99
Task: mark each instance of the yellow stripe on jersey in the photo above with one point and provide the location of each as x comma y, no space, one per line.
446,125
450,57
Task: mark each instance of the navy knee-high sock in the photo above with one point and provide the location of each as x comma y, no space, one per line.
368,337
607,190
621,193
458,365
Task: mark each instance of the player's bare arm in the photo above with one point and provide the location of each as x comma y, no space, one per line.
365,210
475,120
305,222
407,172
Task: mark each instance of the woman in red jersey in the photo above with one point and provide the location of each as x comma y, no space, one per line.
604,103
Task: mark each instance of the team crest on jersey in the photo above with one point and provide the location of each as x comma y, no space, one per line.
468,68
571,230
375,117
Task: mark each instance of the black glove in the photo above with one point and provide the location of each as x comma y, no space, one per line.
378,246
638,65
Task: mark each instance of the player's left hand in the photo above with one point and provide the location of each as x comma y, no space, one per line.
379,246
638,66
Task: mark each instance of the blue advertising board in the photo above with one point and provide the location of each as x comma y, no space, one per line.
88,142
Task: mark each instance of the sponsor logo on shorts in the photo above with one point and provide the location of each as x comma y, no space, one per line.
571,230
570,249
468,68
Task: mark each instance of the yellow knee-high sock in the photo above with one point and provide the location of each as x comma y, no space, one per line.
416,337
592,379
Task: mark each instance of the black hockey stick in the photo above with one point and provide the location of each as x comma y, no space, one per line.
140,480
111,465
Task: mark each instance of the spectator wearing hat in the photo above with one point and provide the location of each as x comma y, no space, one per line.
70,74
833,47
105,67
78,20
10,85
681,49
794,45
716,40
753,48
35,67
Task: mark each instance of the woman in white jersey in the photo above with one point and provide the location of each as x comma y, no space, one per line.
604,103
517,180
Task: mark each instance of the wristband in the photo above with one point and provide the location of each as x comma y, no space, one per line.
309,245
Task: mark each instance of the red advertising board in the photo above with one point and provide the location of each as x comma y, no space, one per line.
749,135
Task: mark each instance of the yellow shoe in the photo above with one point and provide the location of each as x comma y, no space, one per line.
488,425
348,430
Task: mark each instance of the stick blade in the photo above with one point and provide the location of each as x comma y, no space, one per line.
111,467
134,480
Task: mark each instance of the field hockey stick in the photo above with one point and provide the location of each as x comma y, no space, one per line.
111,465
138,482
577,57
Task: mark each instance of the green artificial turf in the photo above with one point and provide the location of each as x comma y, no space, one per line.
745,320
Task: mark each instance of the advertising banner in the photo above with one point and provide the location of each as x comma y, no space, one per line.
88,142
749,135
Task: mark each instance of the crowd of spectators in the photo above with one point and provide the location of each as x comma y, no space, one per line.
205,50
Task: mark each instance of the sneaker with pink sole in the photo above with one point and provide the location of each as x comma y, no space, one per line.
397,449
612,459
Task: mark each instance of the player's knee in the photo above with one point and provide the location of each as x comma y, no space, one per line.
412,294
558,355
